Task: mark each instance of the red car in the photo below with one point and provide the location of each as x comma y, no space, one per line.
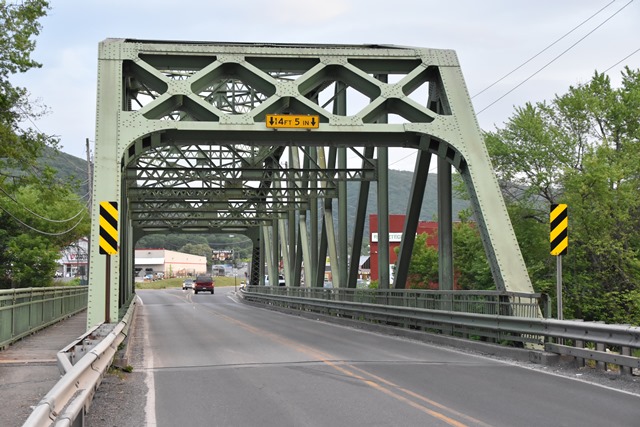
203,283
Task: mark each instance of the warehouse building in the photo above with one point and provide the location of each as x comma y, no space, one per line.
165,263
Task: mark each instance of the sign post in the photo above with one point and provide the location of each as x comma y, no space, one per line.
559,239
108,246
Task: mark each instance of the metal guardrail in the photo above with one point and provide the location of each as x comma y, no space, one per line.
67,402
479,302
25,311
586,341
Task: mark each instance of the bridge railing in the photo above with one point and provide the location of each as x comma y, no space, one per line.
25,311
483,316
480,302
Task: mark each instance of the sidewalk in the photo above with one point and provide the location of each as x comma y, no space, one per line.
29,369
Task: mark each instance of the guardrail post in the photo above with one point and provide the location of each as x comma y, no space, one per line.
13,315
579,360
601,365
546,305
625,370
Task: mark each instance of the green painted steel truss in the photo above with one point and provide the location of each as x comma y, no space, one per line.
183,144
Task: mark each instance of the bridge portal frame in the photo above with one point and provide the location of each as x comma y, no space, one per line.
165,99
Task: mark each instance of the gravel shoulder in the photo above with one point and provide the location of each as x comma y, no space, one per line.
121,397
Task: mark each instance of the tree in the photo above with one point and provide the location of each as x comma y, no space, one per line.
423,266
201,249
583,149
33,261
20,145
469,258
38,216
35,224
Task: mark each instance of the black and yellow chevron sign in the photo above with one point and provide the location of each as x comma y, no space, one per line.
108,228
559,221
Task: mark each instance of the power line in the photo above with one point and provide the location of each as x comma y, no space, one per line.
62,233
403,158
608,69
37,215
623,59
554,59
542,51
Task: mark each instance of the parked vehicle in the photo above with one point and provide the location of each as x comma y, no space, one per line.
187,284
281,281
204,283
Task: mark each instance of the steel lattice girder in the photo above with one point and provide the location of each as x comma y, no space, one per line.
189,118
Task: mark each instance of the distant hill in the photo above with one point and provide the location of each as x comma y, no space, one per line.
70,169
74,170
399,189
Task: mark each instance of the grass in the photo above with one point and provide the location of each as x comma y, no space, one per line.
177,283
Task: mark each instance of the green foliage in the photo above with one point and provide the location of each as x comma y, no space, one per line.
423,267
19,25
76,281
583,149
469,259
36,222
20,145
33,259
38,216
201,249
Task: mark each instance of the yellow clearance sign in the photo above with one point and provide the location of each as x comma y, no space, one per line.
278,121
108,228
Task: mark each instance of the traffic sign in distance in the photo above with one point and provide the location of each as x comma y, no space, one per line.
559,222
277,121
108,228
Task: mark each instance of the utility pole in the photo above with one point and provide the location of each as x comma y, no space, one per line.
90,189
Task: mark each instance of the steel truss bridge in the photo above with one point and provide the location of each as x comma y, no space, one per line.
182,145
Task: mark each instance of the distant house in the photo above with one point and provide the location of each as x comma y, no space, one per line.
364,268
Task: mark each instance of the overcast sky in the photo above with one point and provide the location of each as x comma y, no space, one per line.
491,38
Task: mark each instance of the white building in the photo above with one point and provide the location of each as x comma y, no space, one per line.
169,263
73,259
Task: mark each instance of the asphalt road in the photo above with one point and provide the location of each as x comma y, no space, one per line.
208,360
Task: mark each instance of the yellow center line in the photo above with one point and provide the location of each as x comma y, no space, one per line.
326,359
421,397
377,384
397,396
